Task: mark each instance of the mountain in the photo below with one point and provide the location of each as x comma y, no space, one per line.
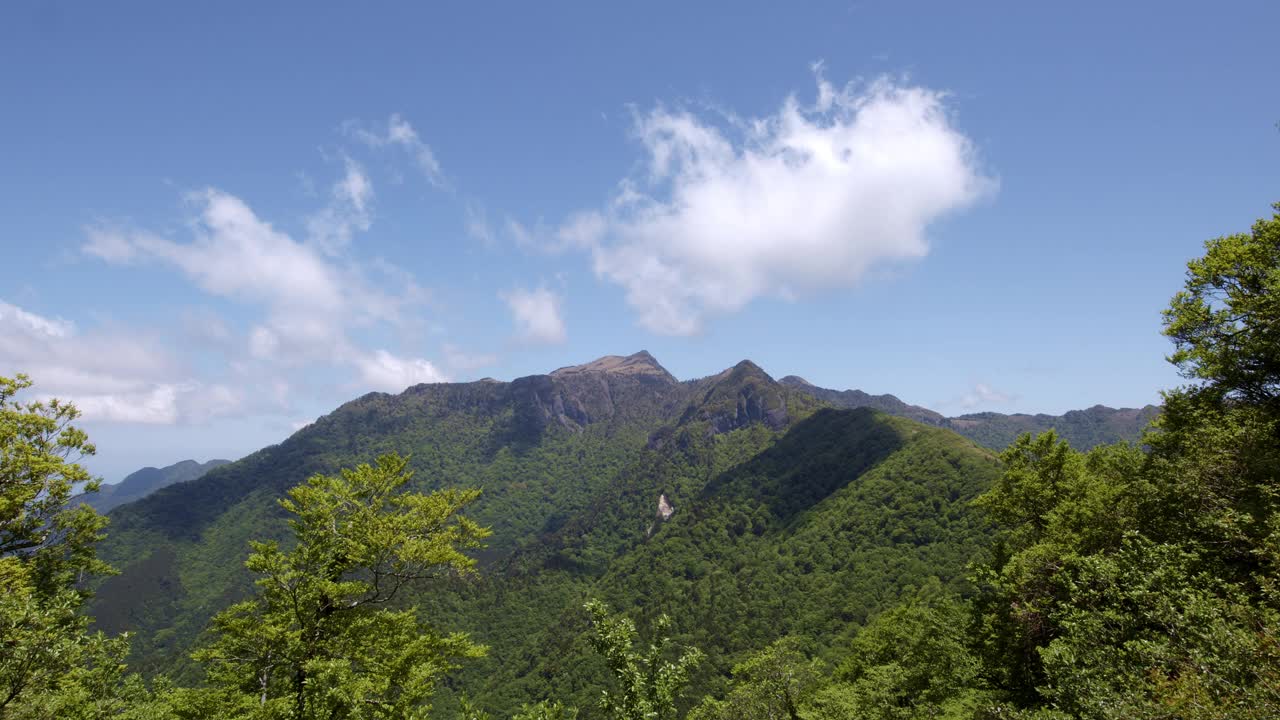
1084,429
139,484
857,399
744,507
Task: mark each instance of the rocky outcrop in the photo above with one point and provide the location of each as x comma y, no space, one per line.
609,388
738,397
665,510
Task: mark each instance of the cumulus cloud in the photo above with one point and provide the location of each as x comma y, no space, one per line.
807,198
537,314
382,370
114,377
399,133
313,296
309,297
234,254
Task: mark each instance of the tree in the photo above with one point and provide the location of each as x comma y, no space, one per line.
47,549
772,684
1225,324
546,710
1134,582
649,685
325,637
909,662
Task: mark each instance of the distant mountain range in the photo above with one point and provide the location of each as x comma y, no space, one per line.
139,484
744,507
1098,425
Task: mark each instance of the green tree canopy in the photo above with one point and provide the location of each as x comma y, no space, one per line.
325,636
47,551
648,684
1225,324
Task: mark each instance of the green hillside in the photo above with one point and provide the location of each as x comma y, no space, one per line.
766,487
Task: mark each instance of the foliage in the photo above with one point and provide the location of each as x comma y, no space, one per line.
911,661
1131,583
322,639
648,685
772,684
1125,581
47,550
1223,323
546,710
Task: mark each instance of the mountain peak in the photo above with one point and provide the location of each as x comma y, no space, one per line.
796,381
640,363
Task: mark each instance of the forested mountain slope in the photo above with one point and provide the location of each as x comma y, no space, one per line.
1083,429
784,516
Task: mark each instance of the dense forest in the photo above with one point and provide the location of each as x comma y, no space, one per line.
608,542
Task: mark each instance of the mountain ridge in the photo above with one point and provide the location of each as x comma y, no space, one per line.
144,481
574,466
1083,429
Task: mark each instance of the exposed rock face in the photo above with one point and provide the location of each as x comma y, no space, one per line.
612,387
665,511
641,363
738,397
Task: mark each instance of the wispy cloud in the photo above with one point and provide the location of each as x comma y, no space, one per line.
983,395
311,294
538,315
476,223
349,211
810,197
400,134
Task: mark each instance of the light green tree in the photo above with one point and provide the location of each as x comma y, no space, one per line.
648,684
772,684
1224,323
47,553
1141,582
546,710
327,636
909,662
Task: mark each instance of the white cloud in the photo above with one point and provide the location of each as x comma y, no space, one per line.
537,314
309,297
263,343
383,371
313,298
348,212
983,394
157,405
117,377
235,255
23,321
109,245
807,198
401,134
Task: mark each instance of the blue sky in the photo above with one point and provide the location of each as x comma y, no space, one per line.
218,224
